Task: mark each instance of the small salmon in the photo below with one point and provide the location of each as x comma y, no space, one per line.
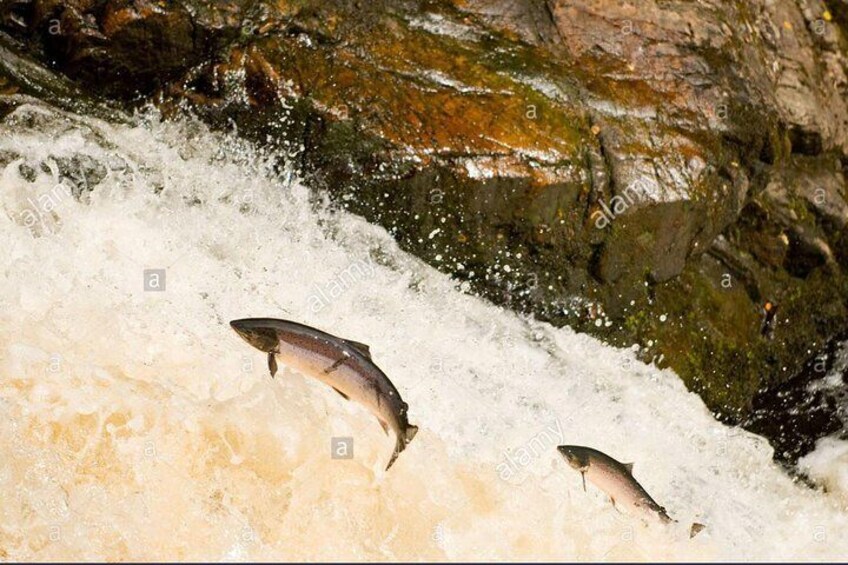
617,481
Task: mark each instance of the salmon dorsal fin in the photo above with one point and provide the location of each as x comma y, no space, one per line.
629,467
361,347
695,529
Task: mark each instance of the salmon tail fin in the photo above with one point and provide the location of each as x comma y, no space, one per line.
401,443
410,433
695,529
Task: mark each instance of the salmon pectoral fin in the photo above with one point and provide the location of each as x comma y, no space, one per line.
343,395
336,364
272,364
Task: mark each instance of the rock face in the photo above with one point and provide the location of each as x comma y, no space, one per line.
651,172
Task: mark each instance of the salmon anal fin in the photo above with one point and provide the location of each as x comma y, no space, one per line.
384,426
272,364
361,347
335,365
343,395
695,529
629,467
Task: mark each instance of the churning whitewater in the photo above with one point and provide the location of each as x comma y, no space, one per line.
136,426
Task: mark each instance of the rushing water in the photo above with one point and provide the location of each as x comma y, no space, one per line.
134,424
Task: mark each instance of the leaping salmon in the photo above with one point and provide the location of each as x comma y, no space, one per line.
343,364
617,481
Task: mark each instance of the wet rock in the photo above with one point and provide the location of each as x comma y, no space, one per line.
120,48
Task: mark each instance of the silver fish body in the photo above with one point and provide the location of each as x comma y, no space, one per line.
344,365
615,479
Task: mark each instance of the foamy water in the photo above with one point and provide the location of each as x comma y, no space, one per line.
136,425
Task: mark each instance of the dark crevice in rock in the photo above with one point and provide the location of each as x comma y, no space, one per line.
802,256
595,262
768,154
805,142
